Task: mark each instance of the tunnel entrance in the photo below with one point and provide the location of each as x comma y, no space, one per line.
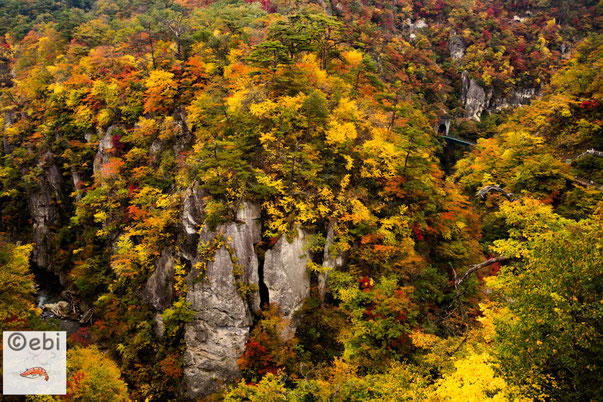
442,129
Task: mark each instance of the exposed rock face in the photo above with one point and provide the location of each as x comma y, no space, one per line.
415,26
44,211
225,295
158,292
184,137
475,98
517,18
518,97
159,289
331,261
242,236
566,50
103,154
419,24
456,47
192,211
78,181
217,336
522,96
160,327
156,148
286,273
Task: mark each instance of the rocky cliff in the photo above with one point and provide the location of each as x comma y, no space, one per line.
44,201
224,290
476,99
456,46
286,274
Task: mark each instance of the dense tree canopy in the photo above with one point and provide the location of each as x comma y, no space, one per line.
323,114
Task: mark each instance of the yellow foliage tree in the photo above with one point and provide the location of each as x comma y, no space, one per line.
92,376
161,89
16,281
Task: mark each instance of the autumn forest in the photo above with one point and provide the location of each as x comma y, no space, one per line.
322,200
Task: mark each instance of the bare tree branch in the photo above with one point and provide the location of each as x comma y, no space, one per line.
458,293
488,189
477,267
459,302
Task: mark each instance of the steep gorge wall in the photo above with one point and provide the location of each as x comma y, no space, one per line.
225,293
285,273
44,210
225,271
223,288
476,99
223,312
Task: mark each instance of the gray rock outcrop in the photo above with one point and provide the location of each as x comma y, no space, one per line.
159,289
418,24
224,297
414,27
223,289
524,96
331,260
192,210
44,203
78,182
517,18
158,292
242,237
456,46
103,154
475,98
217,336
517,97
566,50
286,273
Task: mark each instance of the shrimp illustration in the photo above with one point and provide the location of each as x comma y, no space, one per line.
35,372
